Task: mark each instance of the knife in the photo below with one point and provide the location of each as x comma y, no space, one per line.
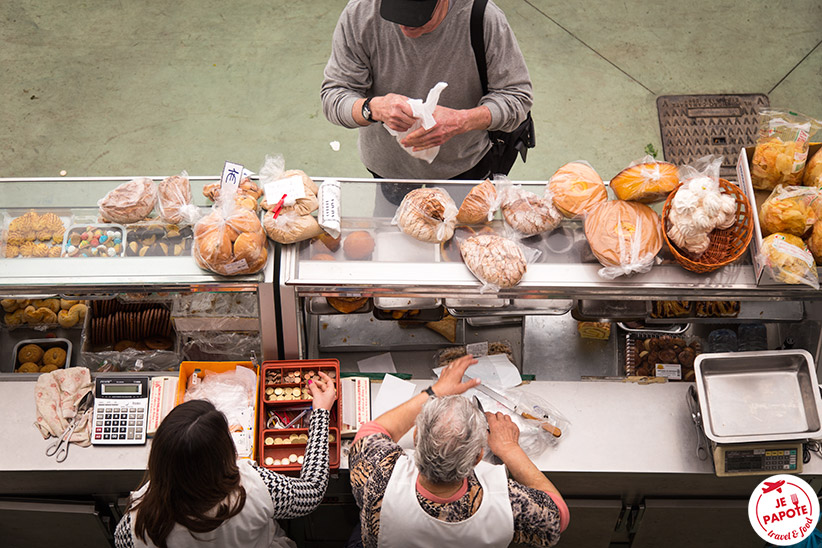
508,404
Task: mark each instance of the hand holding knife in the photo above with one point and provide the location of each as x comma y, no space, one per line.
508,404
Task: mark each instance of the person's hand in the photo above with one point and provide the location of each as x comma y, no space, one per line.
450,381
503,434
450,122
323,392
393,110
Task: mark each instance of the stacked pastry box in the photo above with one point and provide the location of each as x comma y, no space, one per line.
285,401
244,428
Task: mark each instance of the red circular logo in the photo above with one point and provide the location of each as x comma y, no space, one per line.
783,510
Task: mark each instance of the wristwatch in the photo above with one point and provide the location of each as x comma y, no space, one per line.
430,391
366,110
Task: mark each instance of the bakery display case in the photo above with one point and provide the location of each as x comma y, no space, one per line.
127,294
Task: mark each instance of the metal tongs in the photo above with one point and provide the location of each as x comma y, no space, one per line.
61,446
696,416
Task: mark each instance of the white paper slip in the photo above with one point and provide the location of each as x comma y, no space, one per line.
289,189
393,392
377,364
495,370
356,403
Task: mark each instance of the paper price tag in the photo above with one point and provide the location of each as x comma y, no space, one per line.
672,371
478,349
290,187
236,266
232,175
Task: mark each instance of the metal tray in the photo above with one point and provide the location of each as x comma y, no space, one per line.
750,397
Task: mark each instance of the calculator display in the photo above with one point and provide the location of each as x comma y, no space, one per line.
121,389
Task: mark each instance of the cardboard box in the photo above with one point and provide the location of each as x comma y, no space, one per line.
757,198
240,438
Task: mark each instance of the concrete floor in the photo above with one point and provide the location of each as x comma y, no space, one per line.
101,88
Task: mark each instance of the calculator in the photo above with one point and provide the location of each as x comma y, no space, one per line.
120,411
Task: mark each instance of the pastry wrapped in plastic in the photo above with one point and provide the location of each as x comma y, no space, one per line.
427,214
624,236
480,204
815,242
496,261
645,181
290,220
787,259
525,212
813,171
575,188
174,201
130,202
790,209
246,195
781,149
230,240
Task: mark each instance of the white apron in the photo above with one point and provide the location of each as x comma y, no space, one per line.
404,524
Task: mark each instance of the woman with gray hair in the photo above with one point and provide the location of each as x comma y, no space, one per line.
446,494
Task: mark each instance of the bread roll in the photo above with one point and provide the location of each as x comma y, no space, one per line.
495,260
479,205
358,245
575,188
130,202
529,214
427,214
624,234
242,220
213,248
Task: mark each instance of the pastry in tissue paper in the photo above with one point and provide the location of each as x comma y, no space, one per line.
575,188
790,209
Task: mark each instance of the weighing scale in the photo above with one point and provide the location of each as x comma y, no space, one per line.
120,411
757,459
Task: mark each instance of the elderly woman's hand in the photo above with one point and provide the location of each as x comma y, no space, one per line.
503,434
323,392
450,381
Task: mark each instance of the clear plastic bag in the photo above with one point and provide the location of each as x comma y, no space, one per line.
287,226
289,219
479,205
624,236
787,259
645,181
174,201
496,261
230,240
781,148
219,345
215,305
790,209
130,202
427,214
524,212
575,188
813,170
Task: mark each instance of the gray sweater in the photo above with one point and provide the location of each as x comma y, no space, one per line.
371,57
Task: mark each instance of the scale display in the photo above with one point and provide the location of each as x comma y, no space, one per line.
120,411
758,459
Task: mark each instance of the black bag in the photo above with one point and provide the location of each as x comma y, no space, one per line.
505,146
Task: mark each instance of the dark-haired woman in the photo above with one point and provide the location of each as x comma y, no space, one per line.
198,494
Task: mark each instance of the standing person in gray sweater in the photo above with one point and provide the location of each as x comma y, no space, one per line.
387,51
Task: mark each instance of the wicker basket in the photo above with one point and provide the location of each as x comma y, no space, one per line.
726,245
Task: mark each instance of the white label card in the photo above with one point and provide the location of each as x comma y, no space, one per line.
236,266
232,175
672,371
291,188
478,349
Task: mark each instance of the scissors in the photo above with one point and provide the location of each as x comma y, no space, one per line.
696,416
61,446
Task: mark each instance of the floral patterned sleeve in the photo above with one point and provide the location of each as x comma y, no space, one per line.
536,516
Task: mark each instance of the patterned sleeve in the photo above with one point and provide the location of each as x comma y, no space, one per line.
371,462
122,535
536,516
295,497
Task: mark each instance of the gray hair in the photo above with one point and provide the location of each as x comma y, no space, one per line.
451,432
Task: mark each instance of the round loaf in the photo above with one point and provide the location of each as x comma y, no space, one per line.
529,214
575,188
623,233
427,214
130,202
494,260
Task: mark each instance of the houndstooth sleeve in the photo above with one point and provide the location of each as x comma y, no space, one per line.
295,497
122,535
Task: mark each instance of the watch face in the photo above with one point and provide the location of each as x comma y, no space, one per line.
366,112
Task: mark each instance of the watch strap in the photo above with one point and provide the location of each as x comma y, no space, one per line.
430,391
366,110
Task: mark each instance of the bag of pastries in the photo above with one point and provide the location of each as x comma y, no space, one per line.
813,170
787,259
479,205
645,181
575,188
496,261
230,240
781,148
290,220
427,214
130,202
624,236
246,195
790,209
524,212
174,201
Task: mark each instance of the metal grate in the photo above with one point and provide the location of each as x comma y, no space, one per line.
693,126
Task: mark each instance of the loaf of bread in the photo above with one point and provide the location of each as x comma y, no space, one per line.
575,188
480,204
625,236
529,214
427,214
496,261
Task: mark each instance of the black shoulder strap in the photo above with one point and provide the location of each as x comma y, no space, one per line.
478,41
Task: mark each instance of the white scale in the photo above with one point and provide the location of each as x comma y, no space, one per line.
120,411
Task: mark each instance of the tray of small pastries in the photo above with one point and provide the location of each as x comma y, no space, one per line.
34,233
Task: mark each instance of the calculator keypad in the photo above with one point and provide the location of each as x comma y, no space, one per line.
120,423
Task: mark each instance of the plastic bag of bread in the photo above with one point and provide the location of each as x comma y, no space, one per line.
787,259
130,202
645,181
624,236
524,212
427,214
813,170
790,209
290,219
575,188
480,204
174,201
230,240
496,261
781,148
246,196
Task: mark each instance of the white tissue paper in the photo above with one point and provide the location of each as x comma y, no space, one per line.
424,113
